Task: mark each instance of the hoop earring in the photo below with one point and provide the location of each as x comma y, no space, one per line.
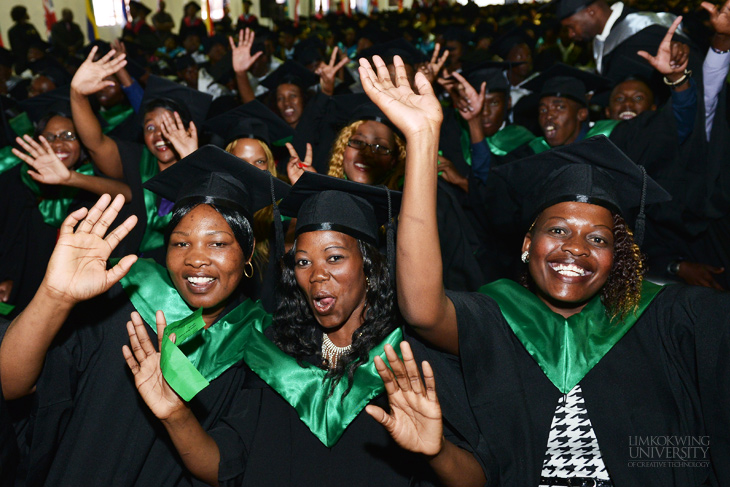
525,256
250,273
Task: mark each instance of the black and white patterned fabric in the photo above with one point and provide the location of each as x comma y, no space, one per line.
572,448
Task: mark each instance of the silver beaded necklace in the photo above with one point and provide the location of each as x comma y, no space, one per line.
331,353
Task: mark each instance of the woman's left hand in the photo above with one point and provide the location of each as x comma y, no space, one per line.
185,141
413,113
415,421
45,165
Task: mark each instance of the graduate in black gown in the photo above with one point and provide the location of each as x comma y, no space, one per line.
88,425
301,415
566,374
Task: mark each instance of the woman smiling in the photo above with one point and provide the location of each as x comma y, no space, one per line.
74,365
561,373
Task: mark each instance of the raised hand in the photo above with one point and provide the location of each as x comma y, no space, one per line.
242,59
45,165
413,113
327,72
719,17
468,101
450,174
433,67
415,421
77,268
89,77
6,288
672,57
185,141
144,362
296,167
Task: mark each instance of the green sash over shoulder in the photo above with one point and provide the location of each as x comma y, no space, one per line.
8,160
200,354
54,210
602,127
21,124
115,116
306,389
508,139
565,349
154,234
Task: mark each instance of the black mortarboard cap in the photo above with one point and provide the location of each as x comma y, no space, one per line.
322,202
591,171
290,72
222,72
194,101
568,82
184,62
191,3
504,44
213,173
493,72
252,120
211,41
397,47
142,6
370,111
58,100
566,8
309,51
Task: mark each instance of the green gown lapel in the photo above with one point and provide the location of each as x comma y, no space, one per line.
154,234
565,349
200,354
54,210
115,116
304,385
508,139
8,160
602,127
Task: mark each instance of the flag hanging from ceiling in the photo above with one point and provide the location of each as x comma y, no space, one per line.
50,14
91,29
208,20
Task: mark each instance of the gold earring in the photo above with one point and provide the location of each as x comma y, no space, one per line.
250,273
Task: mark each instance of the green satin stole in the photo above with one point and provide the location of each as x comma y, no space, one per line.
21,124
508,139
54,210
115,116
200,354
154,234
565,349
8,160
602,127
305,387
6,309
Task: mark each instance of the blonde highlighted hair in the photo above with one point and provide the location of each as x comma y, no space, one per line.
337,156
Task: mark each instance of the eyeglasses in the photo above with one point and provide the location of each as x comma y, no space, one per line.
378,149
64,136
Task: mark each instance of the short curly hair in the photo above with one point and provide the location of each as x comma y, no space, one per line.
622,291
337,156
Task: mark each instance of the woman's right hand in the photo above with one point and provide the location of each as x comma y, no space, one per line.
185,141
45,165
77,268
415,420
144,362
242,59
296,167
90,76
413,113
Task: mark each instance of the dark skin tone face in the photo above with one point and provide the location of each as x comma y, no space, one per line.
584,25
561,120
290,103
629,99
520,53
329,272
494,112
570,254
112,95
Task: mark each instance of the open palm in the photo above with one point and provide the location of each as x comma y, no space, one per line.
77,268
45,165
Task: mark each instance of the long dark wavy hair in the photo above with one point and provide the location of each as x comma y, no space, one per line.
622,291
297,333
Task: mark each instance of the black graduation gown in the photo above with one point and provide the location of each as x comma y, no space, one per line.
263,442
90,426
8,441
666,378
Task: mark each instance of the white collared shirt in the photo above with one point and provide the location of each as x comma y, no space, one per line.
616,10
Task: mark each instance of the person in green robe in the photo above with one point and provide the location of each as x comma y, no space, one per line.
566,376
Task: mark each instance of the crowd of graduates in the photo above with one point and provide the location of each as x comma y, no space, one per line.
478,124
